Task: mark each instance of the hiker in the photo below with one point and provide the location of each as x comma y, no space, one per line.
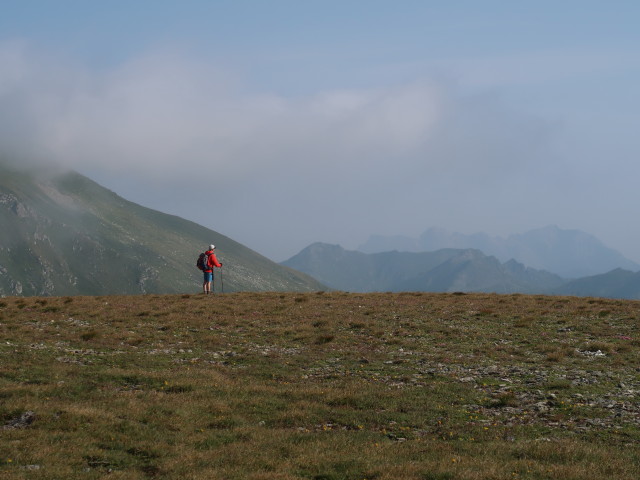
212,261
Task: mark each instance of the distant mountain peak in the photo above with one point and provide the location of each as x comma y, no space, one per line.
439,271
568,253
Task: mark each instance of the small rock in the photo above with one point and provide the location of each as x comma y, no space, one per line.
541,407
22,421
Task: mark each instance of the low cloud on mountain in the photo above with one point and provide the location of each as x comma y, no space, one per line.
175,132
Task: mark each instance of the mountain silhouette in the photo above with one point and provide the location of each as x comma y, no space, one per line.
445,270
568,253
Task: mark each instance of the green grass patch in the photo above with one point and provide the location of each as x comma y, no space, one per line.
319,386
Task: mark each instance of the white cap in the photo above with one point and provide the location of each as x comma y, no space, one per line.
212,246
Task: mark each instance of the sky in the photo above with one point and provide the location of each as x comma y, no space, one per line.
279,123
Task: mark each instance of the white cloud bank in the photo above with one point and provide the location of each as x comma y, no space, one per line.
173,113
336,166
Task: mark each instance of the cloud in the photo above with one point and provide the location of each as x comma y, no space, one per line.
167,110
336,162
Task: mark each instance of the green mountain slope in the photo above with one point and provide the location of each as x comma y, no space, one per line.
63,234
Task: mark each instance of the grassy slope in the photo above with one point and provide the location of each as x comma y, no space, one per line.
68,235
319,386
179,241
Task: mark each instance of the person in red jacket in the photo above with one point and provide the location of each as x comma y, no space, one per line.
212,261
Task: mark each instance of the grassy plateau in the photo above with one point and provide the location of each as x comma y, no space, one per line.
319,386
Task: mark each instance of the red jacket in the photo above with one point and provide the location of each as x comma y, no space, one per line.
212,261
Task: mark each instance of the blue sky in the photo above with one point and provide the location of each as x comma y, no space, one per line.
331,121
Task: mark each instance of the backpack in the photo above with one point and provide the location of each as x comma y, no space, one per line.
203,261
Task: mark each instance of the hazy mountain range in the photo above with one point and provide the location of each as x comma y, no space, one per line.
440,271
449,270
63,234
568,253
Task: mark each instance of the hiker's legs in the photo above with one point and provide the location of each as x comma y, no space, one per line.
206,285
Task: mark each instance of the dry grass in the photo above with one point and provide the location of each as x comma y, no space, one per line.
319,386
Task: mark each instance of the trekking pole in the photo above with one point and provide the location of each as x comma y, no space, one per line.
221,281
